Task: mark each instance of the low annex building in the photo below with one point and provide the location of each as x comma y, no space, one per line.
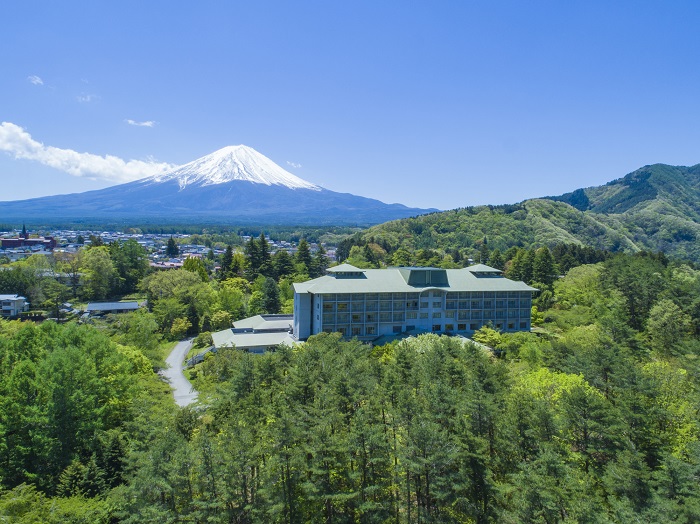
373,303
256,334
110,308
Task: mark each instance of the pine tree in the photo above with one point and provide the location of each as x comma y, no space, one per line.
543,269
171,250
226,263
304,255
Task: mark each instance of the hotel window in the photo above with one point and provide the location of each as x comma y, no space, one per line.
511,325
370,330
488,304
384,317
449,327
342,306
328,307
437,293
449,314
371,317
437,314
411,315
461,327
437,304
523,325
473,326
424,315
398,317
343,331
436,327
385,305
356,317
424,304
357,331
396,329
358,306
450,304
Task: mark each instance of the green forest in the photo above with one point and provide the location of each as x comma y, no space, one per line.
654,208
591,417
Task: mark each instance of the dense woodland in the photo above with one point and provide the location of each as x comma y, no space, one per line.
592,417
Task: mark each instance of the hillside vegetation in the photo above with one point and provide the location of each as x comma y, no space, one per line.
656,208
591,420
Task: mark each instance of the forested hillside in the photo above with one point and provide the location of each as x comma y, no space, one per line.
655,208
592,418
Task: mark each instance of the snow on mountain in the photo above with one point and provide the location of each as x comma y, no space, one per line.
233,163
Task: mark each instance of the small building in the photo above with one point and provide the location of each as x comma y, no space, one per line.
107,308
256,334
12,305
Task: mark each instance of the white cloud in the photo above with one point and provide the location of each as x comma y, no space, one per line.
36,80
87,98
293,164
147,123
16,141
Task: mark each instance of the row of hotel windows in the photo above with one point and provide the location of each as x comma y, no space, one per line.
384,317
360,331
415,305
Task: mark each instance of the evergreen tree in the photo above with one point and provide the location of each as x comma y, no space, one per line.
319,263
253,260
271,296
304,255
496,259
282,264
226,263
543,268
171,249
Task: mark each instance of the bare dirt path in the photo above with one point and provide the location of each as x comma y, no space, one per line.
183,391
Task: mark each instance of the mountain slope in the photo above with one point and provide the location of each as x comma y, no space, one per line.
654,208
233,185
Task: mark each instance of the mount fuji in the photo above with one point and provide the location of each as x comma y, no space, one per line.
234,185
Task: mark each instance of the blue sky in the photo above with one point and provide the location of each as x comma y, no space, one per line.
432,104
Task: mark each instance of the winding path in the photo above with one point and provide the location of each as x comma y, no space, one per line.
183,391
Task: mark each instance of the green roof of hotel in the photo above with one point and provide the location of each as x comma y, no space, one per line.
394,280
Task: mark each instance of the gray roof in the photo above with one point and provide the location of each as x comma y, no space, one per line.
111,306
344,268
11,297
391,280
483,268
227,338
265,322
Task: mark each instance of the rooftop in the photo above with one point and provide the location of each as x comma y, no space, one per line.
412,280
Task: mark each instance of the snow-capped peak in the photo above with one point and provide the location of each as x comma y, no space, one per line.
234,163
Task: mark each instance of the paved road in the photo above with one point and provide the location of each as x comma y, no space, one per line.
183,392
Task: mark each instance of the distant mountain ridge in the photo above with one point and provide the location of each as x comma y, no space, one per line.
236,185
656,208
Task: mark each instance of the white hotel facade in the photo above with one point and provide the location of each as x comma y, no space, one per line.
371,303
